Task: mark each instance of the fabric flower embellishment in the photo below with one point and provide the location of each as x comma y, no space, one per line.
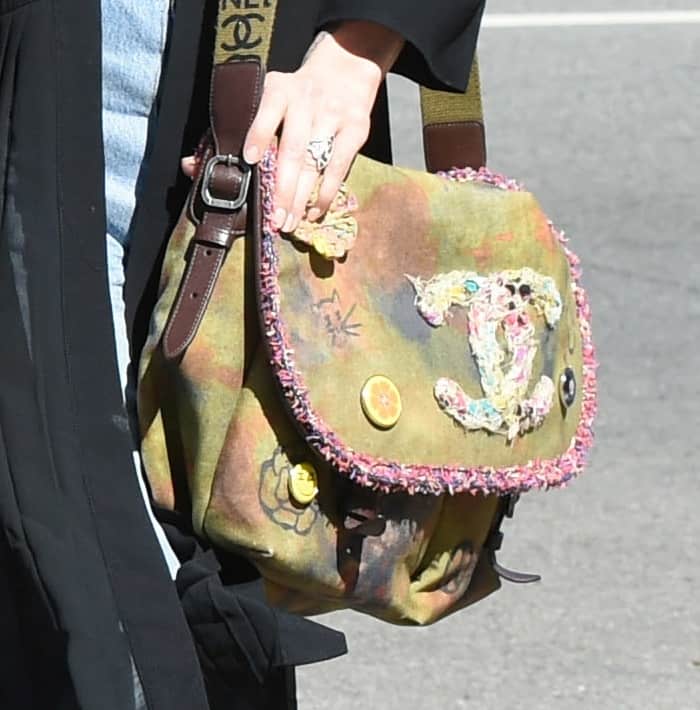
336,232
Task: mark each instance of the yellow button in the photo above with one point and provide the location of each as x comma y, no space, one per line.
381,401
303,483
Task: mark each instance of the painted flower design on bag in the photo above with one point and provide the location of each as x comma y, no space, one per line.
276,500
339,324
502,339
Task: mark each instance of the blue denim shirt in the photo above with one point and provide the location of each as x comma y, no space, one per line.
133,41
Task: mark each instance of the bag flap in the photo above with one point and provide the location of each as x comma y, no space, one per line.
445,348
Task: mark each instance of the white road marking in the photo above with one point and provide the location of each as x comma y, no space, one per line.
590,19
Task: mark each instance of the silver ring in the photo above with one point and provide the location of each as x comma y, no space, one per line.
320,151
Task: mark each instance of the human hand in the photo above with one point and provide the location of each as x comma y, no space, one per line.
330,96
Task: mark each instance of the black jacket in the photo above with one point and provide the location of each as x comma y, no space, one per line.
83,585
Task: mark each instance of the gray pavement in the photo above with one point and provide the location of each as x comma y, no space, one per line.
601,123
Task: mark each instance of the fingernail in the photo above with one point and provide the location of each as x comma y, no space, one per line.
280,216
288,224
251,154
313,214
188,165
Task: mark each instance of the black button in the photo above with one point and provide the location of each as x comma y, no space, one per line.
567,387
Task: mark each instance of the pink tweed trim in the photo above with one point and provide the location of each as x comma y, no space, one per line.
388,475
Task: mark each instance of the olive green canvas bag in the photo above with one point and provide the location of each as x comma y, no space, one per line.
356,406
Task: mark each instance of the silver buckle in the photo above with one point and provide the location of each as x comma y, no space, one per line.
229,160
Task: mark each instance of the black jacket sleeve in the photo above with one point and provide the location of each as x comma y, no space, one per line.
440,35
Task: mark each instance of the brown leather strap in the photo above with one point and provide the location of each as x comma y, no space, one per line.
235,95
448,144
196,288
219,201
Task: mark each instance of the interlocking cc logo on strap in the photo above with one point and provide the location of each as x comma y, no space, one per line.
244,36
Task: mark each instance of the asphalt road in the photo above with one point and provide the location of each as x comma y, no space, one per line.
601,123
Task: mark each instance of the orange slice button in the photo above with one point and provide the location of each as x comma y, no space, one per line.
381,401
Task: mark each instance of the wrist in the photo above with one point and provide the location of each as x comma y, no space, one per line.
355,53
370,41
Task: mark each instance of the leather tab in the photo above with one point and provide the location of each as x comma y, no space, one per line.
510,575
461,144
495,539
360,511
365,521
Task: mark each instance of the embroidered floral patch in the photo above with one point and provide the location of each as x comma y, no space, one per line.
502,340
335,234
